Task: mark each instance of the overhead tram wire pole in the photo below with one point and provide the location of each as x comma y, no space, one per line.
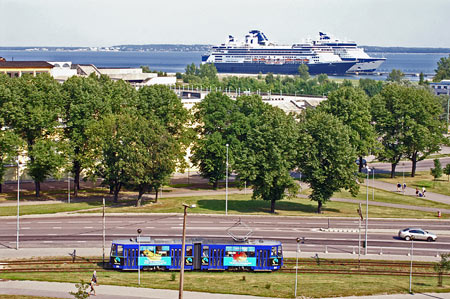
68,187
183,250
367,211
139,231
403,185
410,268
226,184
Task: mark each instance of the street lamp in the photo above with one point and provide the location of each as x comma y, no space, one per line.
183,250
403,185
296,267
18,202
139,231
410,268
367,210
226,184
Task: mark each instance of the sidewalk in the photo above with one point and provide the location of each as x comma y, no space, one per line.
61,290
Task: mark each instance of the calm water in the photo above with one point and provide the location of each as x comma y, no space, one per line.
176,61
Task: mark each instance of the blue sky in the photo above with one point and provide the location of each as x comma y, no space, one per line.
111,22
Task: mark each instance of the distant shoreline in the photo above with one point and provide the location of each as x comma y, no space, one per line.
204,48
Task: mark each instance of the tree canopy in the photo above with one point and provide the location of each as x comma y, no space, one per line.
443,69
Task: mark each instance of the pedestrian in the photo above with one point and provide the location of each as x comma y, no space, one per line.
398,187
417,191
92,288
94,277
423,191
404,187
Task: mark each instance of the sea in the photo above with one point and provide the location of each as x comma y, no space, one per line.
411,64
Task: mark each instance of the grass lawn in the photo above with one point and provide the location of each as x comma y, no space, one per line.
237,204
275,284
422,179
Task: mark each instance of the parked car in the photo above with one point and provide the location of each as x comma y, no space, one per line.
416,234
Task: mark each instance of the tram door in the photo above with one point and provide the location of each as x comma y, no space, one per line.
262,258
197,256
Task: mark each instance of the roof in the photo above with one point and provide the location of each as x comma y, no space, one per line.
443,82
25,64
151,241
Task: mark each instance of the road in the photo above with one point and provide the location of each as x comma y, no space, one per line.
334,235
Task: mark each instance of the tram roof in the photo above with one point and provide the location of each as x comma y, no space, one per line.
149,240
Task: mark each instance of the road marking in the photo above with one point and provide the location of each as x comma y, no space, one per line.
52,234
48,242
81,241
79,222
24,228
57,227
88,227
49,222
149,227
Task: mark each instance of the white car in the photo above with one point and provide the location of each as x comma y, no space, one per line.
416,234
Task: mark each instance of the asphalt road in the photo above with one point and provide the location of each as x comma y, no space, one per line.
335,236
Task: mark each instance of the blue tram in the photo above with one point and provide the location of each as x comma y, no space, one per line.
201,254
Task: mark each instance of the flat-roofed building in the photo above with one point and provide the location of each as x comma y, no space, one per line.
18,68
442,87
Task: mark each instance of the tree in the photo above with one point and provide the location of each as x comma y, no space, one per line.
447,171
371,87
352,107
214,117
34,108
267,149
208,71
443,69
325,157
10,144
422,79
395,76
303,71
407,120
84,103
436,172
442,266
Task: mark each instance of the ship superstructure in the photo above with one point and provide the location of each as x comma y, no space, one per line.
257,54
349,51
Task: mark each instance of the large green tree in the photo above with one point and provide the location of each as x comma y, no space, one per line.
326,158
213,117
84,103
443,69
267,151
352,106
34,109
407,121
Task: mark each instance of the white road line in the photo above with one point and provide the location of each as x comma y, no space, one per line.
47,241
79,222
88,227
24,228
81,241
49,222
52,234
150,227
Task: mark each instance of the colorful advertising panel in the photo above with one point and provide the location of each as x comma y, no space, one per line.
150,257
239,256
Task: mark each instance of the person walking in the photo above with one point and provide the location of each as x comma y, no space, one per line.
94,277
417,191
398,187
404,187
423,191
92,288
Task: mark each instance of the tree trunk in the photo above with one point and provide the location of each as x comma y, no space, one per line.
116,192
272,206
215,185
139,201
414,165
156,195
319,207
37,188
393,166
111,189
440,279
360,164
76,170
1,188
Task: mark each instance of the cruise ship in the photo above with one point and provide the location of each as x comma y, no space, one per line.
349,51
256,54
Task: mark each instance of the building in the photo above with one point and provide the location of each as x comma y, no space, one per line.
442,87
19,68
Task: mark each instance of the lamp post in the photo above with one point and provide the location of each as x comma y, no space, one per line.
226,184
183,250
367,211
296,267
139,231
410,268
18,202
68,187
403,184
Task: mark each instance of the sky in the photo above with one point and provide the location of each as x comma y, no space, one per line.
407,23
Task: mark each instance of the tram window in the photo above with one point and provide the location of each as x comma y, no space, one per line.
188,250
250,254
280,251
205,251
119,250
274,251
113,249
162,250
